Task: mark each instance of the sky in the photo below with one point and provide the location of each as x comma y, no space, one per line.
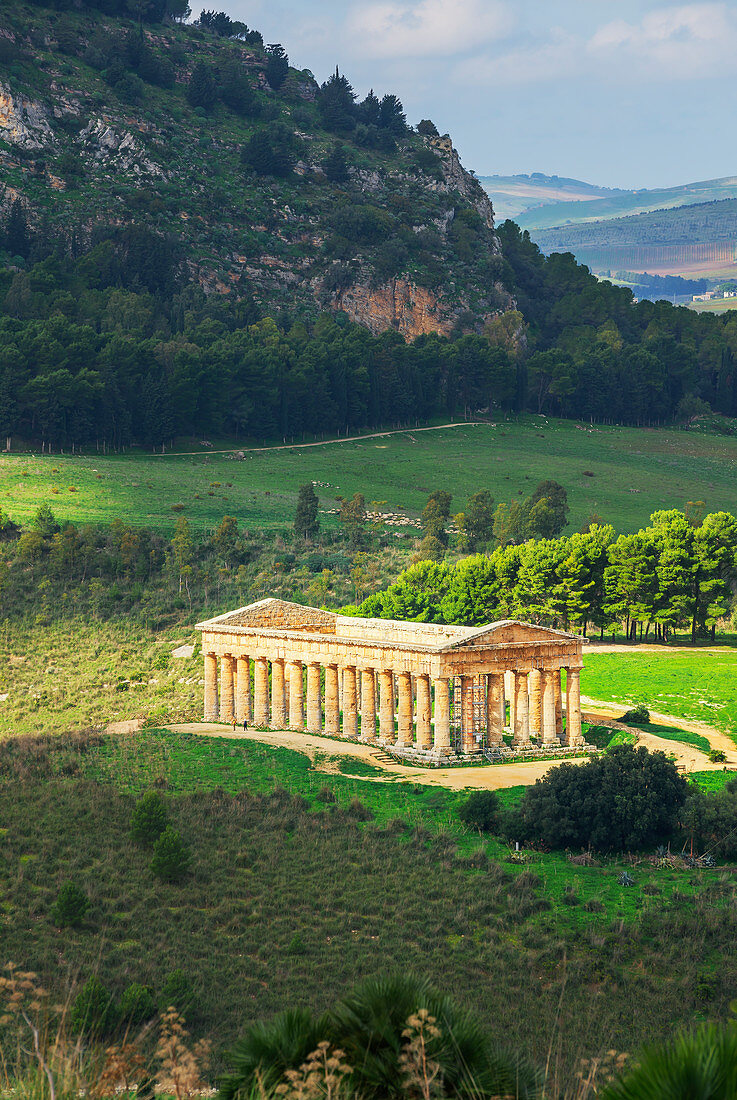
621,93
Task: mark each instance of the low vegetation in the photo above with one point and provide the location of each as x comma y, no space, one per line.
297,887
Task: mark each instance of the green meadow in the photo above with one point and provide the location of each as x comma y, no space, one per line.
701,685
621,474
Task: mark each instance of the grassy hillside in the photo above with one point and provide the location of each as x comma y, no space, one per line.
635,472
288,902
543,202
520,195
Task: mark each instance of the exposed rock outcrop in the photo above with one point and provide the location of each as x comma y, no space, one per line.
107,145
23,122
456,178
399,304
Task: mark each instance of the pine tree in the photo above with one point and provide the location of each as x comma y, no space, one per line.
277,65
17,237
306,523
202,89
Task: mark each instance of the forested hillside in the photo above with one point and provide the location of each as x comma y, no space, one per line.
199,240
701,233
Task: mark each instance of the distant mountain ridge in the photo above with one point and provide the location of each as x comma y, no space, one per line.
542,202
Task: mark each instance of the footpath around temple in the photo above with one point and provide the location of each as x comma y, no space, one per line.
441,693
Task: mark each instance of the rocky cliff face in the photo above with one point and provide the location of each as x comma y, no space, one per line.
399,304
23,122
132,153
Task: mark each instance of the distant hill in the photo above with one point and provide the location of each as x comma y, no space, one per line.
514,196
687,240
541,202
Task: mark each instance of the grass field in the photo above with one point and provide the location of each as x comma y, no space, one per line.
291,902
635,471
698,685
720,305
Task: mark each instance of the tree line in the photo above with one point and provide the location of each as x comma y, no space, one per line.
677,573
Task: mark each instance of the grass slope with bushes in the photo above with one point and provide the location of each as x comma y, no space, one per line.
301,884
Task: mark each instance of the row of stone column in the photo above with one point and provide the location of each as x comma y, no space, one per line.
401,722
404,703
536,707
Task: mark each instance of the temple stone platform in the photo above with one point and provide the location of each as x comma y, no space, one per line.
425,692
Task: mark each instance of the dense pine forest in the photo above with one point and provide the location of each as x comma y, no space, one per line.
117,346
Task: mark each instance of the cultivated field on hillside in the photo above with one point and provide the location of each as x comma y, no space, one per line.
635,471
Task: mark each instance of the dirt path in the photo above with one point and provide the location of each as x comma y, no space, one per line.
322,442
494,777
692,757
457,779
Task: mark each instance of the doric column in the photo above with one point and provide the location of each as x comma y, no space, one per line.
350,709
467,740
278,697
211,687
502,702
243,711
494,694
314,701
521,711
296,696
227,695
548,714
534,686
405,731
424,729
332,710
574,736
368,705
558,705
261,691
511,690
441,733
387,733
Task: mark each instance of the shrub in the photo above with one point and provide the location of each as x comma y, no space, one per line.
149,819
717,756
296,946
359,811
325,794
626,799
70,907
638,716
390,1030
93,1011
480,811
171,856
136,1005
177,992
702,1062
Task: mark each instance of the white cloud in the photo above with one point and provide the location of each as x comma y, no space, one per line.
677,42
682,41
427,28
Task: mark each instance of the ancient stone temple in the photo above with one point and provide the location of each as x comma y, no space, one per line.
420,689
